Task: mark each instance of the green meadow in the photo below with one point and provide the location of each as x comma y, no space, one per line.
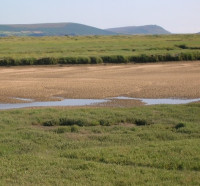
98,49
147,145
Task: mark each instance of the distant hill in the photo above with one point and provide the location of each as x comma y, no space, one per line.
73,29
51,29
134,30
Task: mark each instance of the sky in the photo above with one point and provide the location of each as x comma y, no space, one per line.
177,16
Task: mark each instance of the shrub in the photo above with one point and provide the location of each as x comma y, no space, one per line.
144,58
50,123
179,125
67,60
27,61
83,60
115,59
7,62
182,46
74,60
15,62
169,57
96,60
141,122
45,61
104,123
70,122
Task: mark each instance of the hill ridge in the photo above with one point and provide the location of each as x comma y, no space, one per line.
144,29
69,28
51,29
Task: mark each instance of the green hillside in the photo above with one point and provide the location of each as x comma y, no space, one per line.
72,29
51,29
134,30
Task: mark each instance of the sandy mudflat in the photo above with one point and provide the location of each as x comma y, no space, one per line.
179,80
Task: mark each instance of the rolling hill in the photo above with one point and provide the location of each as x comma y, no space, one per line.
134,30
51,29
73,29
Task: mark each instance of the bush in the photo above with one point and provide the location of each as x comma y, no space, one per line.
70,122
182,46
8,62
143,58
96,60
27,61
83,60
50,123
141,122
104,123
67,60
179,125
74,60
46,61
115,59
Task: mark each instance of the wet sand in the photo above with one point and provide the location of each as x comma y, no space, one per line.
46,83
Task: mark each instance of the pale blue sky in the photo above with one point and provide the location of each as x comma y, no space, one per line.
178,16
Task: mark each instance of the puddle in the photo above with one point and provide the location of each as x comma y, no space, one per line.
84,102
171,101
65,102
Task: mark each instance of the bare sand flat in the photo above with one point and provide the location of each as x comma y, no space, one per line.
162,80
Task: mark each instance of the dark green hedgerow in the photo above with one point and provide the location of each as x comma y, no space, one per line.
143,58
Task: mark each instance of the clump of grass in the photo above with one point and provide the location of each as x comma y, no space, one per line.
60,130
115,59
83,60
50,123
74,129
103,122
96,60
67,60
70,122
182,46
141,122
179,125
138,122
27,61
46,61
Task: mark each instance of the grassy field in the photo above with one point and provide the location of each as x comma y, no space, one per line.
107,48
151,145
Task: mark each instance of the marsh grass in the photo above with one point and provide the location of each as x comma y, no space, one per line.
113,151
95,50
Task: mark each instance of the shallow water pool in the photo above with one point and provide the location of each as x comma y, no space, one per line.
84,102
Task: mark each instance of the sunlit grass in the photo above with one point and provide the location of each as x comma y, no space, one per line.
121,153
